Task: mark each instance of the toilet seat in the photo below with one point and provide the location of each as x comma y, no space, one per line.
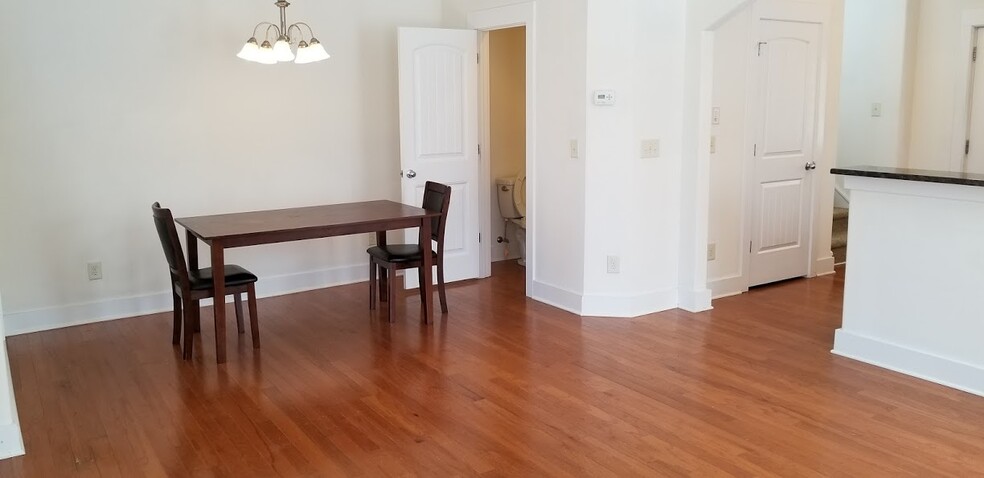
519,196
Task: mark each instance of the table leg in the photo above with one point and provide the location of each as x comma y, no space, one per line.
427,265
383,276
192,251
218,302
193,262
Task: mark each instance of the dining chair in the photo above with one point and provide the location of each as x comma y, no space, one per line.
393,257
189,287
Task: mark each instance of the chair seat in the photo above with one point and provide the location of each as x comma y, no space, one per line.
398,253
234,275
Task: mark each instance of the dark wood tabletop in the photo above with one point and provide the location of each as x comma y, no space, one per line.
278,225
222,231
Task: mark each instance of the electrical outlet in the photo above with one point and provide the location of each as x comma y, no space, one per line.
94,270
714,144
574,149
711,251
613,265
649,148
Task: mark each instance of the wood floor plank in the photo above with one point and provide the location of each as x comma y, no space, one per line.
501,386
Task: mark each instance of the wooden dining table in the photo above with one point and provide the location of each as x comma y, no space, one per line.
224,231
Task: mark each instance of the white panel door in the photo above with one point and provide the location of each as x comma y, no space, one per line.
975,146
786,102
438,72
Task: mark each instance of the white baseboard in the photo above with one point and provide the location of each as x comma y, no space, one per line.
627,306
727,286
927,366
11,440
557,297
823,266
695,300
24,322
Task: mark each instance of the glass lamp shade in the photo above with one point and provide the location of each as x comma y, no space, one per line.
266,54
250,51
303,53
281,50
317,51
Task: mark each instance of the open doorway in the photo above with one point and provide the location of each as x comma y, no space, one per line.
506,148
523,17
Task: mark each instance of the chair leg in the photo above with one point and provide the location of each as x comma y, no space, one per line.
191,312
440,285
254,320
372,284
391,292
176,328
420,284
239,312
383,283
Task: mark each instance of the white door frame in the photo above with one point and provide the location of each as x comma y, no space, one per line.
521,14
971,19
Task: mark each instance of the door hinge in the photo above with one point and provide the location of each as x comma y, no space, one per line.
479,150
478,58
755,150
973,57
749,247
967,147
760,47
480,238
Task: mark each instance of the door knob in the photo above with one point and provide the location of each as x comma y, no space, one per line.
411,174
811,166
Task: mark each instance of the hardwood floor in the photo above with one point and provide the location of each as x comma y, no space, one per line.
503,386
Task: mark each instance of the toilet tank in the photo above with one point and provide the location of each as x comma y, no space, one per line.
504,191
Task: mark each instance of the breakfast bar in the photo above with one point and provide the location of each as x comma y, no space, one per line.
914,285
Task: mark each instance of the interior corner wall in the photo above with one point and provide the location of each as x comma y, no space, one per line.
726,215
635,47
934,95
875,66
144,102
507,152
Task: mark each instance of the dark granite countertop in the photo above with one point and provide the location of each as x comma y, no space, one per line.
904,174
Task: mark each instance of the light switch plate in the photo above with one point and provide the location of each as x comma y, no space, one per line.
649,148
876,110
716,115
574,150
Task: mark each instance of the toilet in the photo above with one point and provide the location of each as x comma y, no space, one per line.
512,205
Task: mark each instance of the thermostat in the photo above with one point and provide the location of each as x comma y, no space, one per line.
604,97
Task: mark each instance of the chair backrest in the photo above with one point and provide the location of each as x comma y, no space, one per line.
437,198
170,242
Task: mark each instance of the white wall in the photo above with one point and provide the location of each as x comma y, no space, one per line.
875,62
934,89
726,212
507,70
634,48
134,102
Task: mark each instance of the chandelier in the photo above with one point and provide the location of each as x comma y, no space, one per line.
307,51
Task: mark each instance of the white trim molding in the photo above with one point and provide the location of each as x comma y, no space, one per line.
28,321
924,365
508,16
